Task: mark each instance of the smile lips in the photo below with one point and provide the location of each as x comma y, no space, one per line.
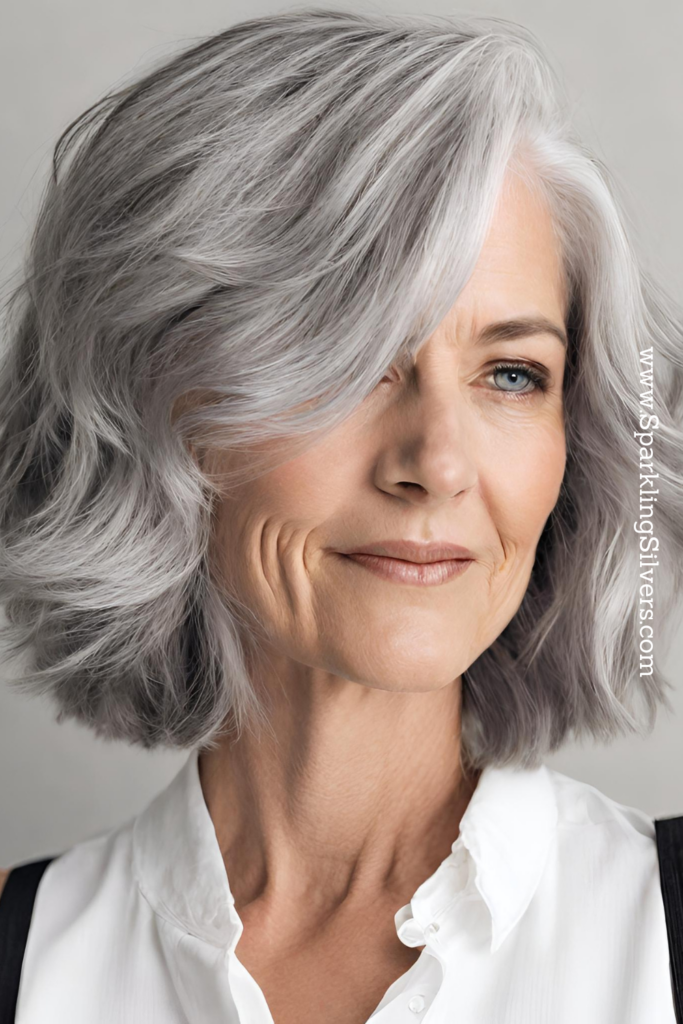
412,562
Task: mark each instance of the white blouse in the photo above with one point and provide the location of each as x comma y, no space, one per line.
548,910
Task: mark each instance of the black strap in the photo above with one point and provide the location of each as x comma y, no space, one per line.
669,834
16,908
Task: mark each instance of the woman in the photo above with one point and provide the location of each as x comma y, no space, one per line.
319,462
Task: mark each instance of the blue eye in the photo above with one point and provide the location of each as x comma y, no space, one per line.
515,378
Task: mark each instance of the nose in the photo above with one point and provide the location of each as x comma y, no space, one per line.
430,456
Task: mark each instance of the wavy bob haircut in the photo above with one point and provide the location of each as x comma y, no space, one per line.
234,249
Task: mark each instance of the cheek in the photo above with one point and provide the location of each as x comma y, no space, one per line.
524,477
261,533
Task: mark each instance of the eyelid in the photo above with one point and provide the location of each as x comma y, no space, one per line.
538,375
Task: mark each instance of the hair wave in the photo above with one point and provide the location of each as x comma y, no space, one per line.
268,220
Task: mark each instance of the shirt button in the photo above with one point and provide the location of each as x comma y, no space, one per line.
416,1004
432,928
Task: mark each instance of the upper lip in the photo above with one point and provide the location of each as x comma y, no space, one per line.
413,551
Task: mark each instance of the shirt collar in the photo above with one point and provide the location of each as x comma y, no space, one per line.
507,830
178,863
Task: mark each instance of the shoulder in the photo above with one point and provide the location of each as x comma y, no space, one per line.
87,914
602,875
90,871
599,906
88,881
581,805
81,861
603,847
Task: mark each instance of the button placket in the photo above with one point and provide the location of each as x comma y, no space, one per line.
418,999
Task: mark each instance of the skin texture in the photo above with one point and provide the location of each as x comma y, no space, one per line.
328,829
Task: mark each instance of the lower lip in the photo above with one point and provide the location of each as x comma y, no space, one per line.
422,574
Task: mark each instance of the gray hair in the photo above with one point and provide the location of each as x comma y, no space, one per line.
268,221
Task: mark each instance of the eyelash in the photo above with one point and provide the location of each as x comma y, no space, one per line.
539,379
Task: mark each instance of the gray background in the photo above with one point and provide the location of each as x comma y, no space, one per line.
621,60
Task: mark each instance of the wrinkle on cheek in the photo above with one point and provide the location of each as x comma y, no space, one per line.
281,559
264,557
303,588
508,582
290,563
500,570
284,571
258,567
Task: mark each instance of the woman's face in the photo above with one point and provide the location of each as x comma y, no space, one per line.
449,449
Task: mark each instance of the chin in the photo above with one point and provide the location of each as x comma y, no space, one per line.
418,676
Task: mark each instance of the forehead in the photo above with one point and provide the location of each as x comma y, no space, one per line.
519,269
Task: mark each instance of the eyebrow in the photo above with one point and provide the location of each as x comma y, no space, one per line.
522,327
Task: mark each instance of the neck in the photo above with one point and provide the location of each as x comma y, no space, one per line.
357,792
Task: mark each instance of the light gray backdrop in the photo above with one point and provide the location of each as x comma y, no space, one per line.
622,62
